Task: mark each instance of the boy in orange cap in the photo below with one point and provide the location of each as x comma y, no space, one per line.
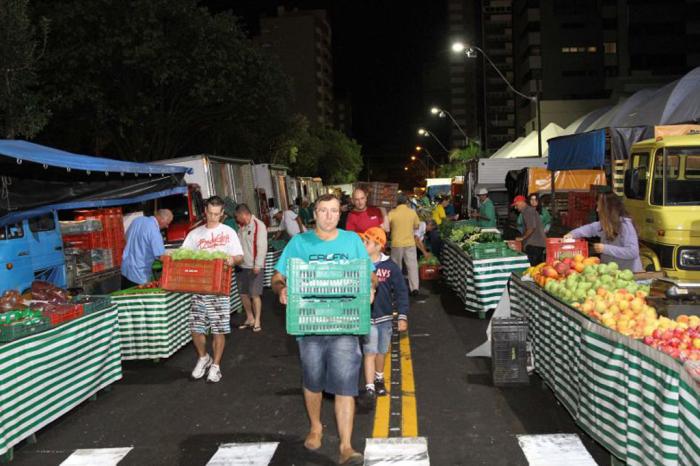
391,289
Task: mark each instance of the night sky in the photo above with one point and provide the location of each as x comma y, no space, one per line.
389,57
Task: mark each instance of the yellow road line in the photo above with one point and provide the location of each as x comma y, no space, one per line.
382,411
409,416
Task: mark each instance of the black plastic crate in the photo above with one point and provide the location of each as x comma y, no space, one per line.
509,352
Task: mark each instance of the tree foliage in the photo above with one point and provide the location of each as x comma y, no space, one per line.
150,79
22,110
459,158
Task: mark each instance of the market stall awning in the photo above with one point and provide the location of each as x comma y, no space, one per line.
577,151
36,179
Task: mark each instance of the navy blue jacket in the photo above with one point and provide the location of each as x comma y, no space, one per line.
392,292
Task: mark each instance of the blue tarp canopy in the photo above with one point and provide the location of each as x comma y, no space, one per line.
577,151
24,150
35,179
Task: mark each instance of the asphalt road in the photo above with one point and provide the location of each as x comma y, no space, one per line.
170,420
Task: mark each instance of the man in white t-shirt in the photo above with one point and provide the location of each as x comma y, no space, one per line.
212,311
289,222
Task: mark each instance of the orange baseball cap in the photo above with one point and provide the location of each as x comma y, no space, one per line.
375,234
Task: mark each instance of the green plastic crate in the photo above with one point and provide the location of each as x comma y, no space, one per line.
18,330
93,303
350,278
491,250
328,316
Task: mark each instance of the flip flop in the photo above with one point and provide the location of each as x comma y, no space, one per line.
257,329
245,326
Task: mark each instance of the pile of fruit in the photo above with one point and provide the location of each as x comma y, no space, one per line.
432,260
192,254
466,236
613,298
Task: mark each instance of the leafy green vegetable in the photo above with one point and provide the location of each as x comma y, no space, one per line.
191,254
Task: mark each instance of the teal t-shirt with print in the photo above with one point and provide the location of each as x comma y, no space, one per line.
308,247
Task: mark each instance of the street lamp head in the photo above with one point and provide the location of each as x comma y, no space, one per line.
405,169
422,132
419,148
435,110
458,47
413,157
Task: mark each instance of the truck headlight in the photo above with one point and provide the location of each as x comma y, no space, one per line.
689,258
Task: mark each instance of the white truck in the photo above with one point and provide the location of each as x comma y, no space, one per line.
211,175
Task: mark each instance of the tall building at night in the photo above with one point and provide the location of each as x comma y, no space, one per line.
596,49
462,26
301,41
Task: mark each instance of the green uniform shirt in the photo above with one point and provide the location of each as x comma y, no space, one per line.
545,216
487,214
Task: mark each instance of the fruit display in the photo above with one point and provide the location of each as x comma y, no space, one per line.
432,260
195,254
11,299
612,297
150,285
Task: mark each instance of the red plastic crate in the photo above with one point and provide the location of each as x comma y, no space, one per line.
196,276
560,248
429,272
64,313
93,240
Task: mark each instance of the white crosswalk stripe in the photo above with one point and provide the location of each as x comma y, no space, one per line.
404,451
238,454
549,449
97,457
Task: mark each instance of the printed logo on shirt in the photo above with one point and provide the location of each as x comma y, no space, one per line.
383,275
328,257
221,239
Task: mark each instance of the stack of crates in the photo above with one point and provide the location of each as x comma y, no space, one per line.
329,297
580,206
380,194
111,237
509,351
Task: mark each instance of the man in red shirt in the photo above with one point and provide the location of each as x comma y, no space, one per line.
362,217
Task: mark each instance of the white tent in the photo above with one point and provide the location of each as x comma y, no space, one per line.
527,147
502,149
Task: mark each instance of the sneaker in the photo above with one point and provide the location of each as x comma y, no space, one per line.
201,368
379,387
214,374
368,397
414,293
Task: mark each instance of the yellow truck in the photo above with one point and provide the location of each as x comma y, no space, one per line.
662,194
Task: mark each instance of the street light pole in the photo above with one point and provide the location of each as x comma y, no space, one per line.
425,132
441,113
459,47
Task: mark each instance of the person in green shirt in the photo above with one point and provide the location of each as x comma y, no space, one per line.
229,210
545,215
486,215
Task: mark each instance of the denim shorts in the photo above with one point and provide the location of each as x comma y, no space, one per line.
379,338
331,363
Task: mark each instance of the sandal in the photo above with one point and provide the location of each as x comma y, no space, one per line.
257,329
245,326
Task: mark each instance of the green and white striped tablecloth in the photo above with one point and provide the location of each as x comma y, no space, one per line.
270,261
636,401
44,376
479,283
153,325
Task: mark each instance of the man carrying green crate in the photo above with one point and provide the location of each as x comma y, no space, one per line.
329,363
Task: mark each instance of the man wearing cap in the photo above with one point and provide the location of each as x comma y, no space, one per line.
486,216
534,240
403,221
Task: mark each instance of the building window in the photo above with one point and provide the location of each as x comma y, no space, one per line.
589,49
610,47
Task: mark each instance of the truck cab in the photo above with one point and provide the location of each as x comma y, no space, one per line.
188,213
32,249
662,194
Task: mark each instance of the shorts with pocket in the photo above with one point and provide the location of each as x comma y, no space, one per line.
250,283
210,312
331,363
378,339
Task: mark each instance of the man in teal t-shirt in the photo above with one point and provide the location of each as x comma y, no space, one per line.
329,363
486,216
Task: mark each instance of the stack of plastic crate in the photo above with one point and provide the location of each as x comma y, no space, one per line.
328,297
509,351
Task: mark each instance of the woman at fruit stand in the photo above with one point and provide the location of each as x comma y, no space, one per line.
545,216
618,236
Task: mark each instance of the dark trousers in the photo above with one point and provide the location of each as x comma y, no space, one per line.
535,254
126,283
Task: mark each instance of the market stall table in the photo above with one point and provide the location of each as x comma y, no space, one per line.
45,375
271,259
638,402
479,283
154,322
